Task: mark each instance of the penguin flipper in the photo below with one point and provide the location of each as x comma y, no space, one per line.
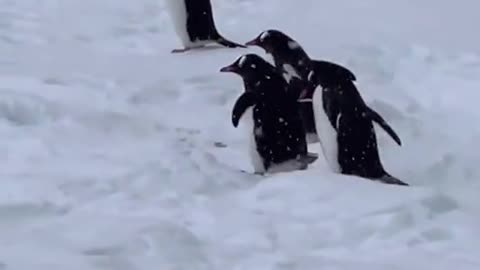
229,44
379,119
246,100
388,179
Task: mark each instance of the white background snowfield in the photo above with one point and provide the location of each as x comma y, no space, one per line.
108,156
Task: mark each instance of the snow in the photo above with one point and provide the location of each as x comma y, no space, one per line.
110,142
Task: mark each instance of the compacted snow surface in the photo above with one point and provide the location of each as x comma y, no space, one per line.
110,144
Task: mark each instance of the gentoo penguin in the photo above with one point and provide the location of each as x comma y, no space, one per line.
195,26
345,126
278,142
292,60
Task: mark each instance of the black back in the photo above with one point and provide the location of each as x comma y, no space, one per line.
200,22
358,149
278,130
353,120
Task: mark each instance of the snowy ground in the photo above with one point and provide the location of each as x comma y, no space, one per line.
107,141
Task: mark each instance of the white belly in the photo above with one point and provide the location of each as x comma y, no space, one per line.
178,14
326,132
255,158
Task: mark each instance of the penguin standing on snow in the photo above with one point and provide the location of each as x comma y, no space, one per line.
278,142
345,126
195,26
292,60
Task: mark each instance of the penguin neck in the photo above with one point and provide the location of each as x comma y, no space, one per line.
266,86
249,85
300,62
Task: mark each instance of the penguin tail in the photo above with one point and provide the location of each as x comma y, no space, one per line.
388,179
228,43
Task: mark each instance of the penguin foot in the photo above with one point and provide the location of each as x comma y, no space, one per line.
186,49
309,158
300,163
180,50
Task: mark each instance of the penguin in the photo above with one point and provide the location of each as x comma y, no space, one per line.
195,26
277,137
345,125
289,56
292,60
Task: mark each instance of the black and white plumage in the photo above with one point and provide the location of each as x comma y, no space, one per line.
278,142
292,60
345,126
195,25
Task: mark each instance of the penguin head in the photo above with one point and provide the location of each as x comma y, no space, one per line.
250,67
277,43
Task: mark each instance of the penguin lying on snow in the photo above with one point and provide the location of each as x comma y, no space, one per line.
278,142
345,126
194,24
292,60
